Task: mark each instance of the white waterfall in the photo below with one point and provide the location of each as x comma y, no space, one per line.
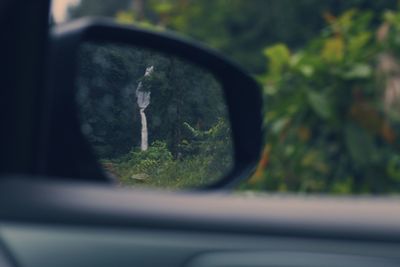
145,143
143,101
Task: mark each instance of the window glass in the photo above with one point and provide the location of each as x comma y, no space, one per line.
330,73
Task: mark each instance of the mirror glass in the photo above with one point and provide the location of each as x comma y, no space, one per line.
153,119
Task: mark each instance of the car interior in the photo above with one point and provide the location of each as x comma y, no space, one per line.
60,206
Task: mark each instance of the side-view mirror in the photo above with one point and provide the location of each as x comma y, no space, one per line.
148,108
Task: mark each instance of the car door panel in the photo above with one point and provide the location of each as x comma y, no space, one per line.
81,224
46,245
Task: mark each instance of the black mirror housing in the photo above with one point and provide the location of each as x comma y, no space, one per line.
241,91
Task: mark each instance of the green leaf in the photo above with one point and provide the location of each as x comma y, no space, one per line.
320,104
360,145
163,7
393,168
358,71
358,42
345,20
307,70
125,17
333,50
279,125
279,56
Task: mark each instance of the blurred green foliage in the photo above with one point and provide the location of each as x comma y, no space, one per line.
330,124
330,74
241,29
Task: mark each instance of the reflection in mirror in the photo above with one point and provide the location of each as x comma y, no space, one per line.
152,119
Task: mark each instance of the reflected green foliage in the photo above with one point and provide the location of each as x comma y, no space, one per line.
202,160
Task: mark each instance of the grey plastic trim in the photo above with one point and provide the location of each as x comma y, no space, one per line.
288,259
84,204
